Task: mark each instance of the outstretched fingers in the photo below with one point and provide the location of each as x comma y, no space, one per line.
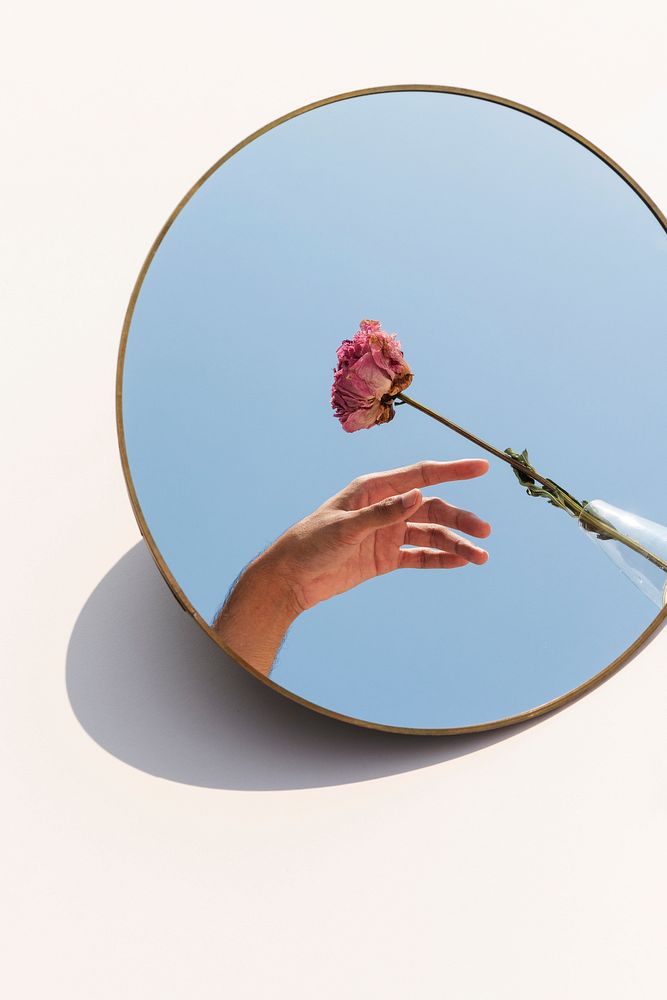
426,473
433,510
357,524
435,536
428,559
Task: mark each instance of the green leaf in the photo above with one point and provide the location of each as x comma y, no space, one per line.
553,493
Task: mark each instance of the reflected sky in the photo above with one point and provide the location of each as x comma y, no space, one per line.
527,283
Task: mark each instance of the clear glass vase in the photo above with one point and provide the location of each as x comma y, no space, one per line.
646,563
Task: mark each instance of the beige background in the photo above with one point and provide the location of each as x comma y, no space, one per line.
172,828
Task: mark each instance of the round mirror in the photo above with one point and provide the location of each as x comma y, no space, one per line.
524,275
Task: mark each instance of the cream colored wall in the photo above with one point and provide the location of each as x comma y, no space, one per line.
322,860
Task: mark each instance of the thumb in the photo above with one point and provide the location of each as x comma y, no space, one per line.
388,511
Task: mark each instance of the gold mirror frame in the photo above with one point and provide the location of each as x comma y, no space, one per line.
549,706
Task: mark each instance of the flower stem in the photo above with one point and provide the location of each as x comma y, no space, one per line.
561,497
471,437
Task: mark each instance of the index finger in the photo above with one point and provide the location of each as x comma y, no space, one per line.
426,473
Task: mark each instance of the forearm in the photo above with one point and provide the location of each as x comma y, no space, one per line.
257,614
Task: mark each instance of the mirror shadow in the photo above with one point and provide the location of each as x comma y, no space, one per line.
150,687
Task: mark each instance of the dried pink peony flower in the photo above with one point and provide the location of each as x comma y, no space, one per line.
371,371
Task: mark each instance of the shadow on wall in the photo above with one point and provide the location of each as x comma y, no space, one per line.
148,685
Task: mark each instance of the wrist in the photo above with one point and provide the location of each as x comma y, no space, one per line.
268,578
258,612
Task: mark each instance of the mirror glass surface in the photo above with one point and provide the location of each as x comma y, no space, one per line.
526,282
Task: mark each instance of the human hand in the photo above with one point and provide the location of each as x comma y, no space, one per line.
351,537
358,533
